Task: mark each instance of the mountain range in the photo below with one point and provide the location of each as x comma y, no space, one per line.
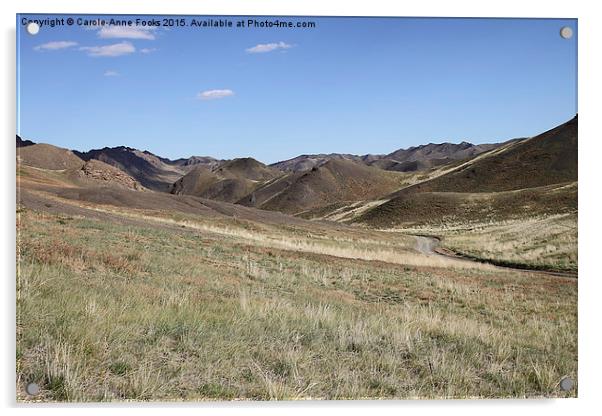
369,188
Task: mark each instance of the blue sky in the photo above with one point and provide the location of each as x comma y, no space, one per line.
349,85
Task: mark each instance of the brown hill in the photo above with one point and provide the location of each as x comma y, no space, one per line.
229,181
546,159
441,151
402,160
436,208
409,166
194,161
248,168
145,167
334,181
424,157
527,176
306,162
153,172
47,156
95,172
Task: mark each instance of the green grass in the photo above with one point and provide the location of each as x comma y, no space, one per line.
108,311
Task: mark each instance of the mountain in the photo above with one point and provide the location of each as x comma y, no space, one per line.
427,156
402,160
545,159
374,188
228,181
306,162
409,166
150,170
533,176
194,160
336,180
23,143
248,168
442,151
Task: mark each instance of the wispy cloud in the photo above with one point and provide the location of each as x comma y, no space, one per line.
120,32
214,94
148,50
117,49
111,73
54,46
268,47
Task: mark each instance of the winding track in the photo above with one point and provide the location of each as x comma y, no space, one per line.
429,246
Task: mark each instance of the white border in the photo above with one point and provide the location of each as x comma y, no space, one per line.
589,154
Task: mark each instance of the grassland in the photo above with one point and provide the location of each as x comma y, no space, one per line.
546,242
179,308
541,243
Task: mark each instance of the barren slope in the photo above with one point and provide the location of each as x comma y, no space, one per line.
47,156
334,181
546,159
229,181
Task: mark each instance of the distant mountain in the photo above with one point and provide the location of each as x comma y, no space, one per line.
228,181
248,168
334,181
409,166
306,162
428,156
402,160
463,150
315,184
194,160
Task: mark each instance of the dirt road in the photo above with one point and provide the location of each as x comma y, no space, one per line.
430,246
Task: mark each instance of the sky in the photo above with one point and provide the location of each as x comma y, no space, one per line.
347,85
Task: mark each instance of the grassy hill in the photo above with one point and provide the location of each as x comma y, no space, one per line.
412,209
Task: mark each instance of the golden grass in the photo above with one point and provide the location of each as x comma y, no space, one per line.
543,241
119,312
398,251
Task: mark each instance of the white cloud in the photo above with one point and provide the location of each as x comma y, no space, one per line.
214,94
148,50
120,32
116,49
53,46
268,47
111,73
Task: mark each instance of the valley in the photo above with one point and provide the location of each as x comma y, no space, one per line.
145,278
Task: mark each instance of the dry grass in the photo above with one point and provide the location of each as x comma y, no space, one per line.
116,312
544,241
398,250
